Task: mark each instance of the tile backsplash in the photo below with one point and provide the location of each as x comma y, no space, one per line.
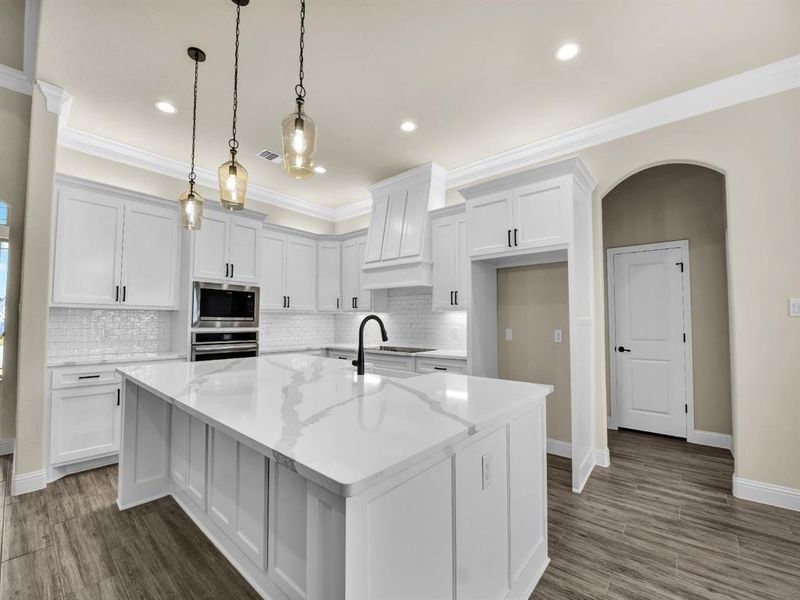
410,321
90,333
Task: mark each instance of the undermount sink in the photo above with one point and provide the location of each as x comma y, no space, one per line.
404,349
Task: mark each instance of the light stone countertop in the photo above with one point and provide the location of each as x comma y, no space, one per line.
113,359
317,416
452,354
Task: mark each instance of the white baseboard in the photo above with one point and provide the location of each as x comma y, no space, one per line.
602,458
766,493
709,438
57,472
7,446
28,482
559,448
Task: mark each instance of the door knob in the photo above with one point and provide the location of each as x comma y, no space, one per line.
623,349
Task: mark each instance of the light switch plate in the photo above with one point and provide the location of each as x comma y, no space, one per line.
794,307
508,335
558,336
486,470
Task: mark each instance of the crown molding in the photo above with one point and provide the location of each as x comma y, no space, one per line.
763,81
15,80
103,147
58,101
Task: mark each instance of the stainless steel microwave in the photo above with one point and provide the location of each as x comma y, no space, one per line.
224,305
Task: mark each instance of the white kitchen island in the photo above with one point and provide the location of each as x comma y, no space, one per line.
317,483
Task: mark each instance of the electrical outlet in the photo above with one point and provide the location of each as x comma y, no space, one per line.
794,307
486,470
558,336
508,335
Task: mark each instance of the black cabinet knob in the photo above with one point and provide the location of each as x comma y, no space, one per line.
623,349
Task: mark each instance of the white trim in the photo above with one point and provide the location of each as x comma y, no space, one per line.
31,38
15,80
602,458
57,101
683,246
763,81
559,448
103,147
7,446
709,438
766,493
28,482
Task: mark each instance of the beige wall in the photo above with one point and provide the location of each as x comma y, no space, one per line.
360,222
12,33
35,290
15,112
533,302
677,202
78,164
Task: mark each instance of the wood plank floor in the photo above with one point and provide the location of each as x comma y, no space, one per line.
659,523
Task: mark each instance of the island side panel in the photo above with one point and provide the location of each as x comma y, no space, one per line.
144,452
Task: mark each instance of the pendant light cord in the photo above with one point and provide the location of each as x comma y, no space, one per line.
300,89
192,175
233,143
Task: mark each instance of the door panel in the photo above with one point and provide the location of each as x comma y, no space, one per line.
329,290
87,257
84,423
649,321
273,277
393,232
211,247
540,216
377,226
150,247
349,276
490,220
414,223
462,263
301,273
364,297
444,267
244,252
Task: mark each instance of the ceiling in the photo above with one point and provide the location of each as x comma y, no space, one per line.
478,77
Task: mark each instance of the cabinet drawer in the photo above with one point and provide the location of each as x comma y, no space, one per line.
437,365
68,377
385,361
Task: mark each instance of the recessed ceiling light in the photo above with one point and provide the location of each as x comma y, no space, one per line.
408,126
166,107
320,169
568,51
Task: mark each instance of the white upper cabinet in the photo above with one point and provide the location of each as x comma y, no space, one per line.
329,282
288,271
398,246
87,260
150,256
524,214
227,247
111,250
355,297
450,262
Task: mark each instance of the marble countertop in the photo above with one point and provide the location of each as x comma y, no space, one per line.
113,359
317,416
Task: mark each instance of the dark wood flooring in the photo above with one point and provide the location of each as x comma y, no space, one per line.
659,523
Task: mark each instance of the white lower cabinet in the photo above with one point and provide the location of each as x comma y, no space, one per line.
387,361
436,365
237,494
84,422
188,455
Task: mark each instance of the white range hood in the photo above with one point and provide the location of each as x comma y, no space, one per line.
398,252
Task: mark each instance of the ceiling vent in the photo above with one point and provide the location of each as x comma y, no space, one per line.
269,155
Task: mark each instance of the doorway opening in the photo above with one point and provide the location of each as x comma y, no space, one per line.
668,344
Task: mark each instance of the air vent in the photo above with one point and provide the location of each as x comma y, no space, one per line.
270,156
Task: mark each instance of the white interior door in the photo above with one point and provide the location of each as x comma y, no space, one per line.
648,347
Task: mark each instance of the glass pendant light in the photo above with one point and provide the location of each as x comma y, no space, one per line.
191,202
299,130
232,175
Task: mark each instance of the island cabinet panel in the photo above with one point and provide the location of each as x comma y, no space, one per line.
482,519
400,538
188,455
237,494
287,531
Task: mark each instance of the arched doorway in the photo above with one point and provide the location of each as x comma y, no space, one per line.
651,220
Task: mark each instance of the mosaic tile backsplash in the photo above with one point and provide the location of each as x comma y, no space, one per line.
92,333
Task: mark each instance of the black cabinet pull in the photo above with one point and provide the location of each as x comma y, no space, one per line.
342,357
337,303
88,376
356,300
284,302
227,269
117,397
509,238
515,237
124,292
440,368
623,349
116,295
288,302
456,297
451,297
232,266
